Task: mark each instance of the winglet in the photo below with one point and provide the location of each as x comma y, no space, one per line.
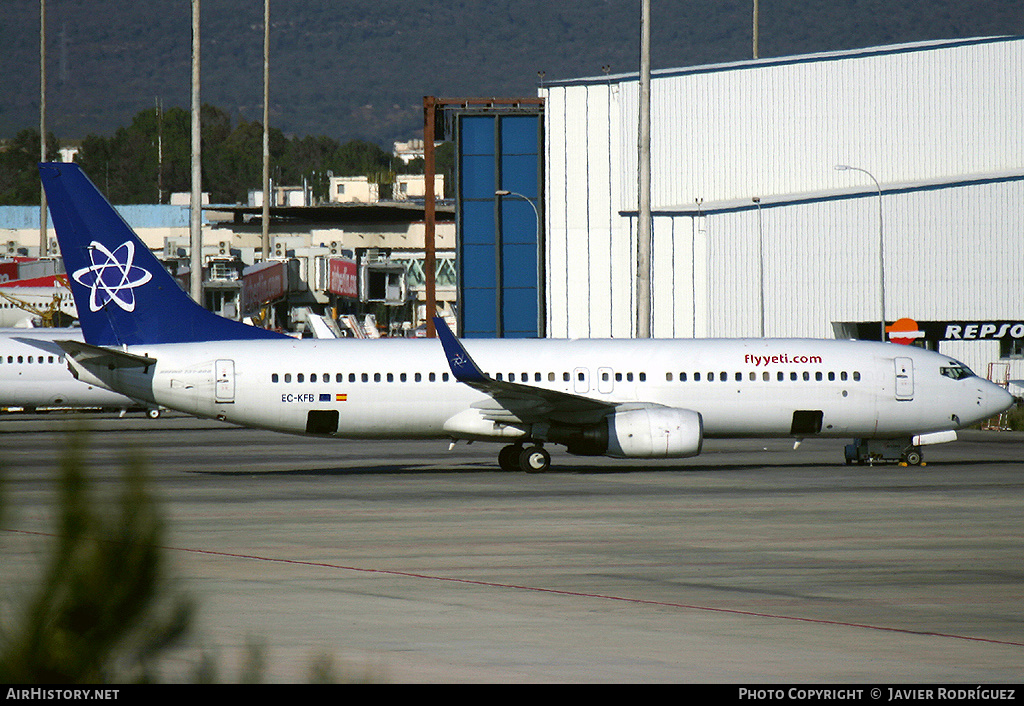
459,360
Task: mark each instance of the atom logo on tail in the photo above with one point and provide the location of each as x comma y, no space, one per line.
113,278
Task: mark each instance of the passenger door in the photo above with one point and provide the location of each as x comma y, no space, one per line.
224,381
904,378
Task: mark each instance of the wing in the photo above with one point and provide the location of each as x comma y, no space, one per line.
512,402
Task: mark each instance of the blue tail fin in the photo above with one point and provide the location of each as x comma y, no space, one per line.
123,294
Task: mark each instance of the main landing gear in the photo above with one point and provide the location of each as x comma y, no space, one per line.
532,459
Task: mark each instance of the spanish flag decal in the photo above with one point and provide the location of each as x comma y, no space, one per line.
341,397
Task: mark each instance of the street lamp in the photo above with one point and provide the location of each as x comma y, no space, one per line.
760,258
536,214
881,242
505,192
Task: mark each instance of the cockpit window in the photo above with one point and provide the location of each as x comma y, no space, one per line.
957,371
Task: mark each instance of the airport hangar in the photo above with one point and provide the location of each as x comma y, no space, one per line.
755,232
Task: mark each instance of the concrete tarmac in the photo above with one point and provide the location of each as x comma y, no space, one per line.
406,562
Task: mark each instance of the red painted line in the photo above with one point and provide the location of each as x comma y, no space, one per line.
574,594
601,596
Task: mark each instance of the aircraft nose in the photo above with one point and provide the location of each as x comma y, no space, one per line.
999,399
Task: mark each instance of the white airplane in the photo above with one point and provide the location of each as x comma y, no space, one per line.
623,398
20,305
34,374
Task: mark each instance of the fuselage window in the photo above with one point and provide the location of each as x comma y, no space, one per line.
792,376
696,377
418,377
339,377
432,377
711,377
682,377
312,377
498,376
842,376
376,377
444,377
831,377
391,377
551,377
565,377
817,377
287,377
629,377
536,377
723,376
856,376
365,377
403,377
807,376
273,378
618,377
300,377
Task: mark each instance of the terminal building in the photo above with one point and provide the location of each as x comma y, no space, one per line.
797,196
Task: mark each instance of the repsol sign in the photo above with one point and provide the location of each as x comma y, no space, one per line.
980,330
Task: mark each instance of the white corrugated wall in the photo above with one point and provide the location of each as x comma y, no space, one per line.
928,121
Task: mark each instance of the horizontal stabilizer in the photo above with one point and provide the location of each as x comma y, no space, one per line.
97,356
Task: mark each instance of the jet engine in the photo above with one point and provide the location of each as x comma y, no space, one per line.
647,432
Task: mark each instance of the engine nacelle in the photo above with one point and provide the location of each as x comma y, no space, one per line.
656,432
649,432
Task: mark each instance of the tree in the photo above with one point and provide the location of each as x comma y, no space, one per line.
104,610
19,175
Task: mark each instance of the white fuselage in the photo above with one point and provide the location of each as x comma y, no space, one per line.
34,373
403,388
15,313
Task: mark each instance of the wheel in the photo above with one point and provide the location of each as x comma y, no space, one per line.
913,458
153,413
508,458
535,459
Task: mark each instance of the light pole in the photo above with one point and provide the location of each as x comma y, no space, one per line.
881,242
760,258
536,214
